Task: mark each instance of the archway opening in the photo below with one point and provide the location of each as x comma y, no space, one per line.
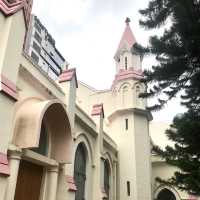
80,171
107,179
44,130
43,147
166,194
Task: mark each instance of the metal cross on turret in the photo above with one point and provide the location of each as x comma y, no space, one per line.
127,21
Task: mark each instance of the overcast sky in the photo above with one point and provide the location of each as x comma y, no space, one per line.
87,33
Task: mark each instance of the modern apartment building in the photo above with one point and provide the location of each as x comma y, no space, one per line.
40,46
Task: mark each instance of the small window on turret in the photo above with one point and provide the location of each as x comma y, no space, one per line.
137,90
126,63
126,124
128,188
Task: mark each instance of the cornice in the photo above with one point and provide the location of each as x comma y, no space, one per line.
10,7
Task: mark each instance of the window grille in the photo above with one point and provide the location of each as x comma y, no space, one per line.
34,57
36,47
37,37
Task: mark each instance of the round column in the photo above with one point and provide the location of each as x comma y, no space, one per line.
52,183
14,162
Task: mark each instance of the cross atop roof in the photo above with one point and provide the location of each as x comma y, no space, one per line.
127,21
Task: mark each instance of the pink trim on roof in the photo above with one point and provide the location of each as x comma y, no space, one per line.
10,8
192,197
127,37
71,184
128,74
3,159
68,75
4,168
97,109
8,87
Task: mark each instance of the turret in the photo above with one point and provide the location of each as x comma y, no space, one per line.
126,58
129,121
127,83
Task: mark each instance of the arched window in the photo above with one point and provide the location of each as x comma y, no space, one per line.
137,90
80,172
166,194
107,179
43,143
126,63
125,97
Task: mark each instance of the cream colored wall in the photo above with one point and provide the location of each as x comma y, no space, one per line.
6,119
42,78
3,184
131,166
142,157
28,86
2,35
112,100
11,49
165,171
125,141
83,97
136,62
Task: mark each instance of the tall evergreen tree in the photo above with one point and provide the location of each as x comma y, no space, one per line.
178,54
177,50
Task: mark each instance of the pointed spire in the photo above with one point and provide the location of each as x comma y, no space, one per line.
127,37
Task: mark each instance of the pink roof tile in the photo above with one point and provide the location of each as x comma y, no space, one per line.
67,75
3,159
11,7
4,168
97,109
71,184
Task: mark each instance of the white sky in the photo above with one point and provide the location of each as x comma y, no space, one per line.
87,33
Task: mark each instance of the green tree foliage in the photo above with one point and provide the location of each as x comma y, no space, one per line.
185,154
177,51
178,54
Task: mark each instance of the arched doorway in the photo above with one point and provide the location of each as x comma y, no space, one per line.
80,172
107,179
43,132
166,194
30,175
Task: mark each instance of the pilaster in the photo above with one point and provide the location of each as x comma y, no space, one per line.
69,84
98,115
52,174
14,162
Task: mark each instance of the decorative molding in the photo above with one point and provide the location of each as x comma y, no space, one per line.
10,7
71,184
128,74
68,75
97,109
8,87
138,111
4,168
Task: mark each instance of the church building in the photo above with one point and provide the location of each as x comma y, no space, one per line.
64,140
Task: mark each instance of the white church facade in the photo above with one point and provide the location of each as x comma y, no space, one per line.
64,140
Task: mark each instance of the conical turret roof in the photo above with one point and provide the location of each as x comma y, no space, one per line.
127,38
